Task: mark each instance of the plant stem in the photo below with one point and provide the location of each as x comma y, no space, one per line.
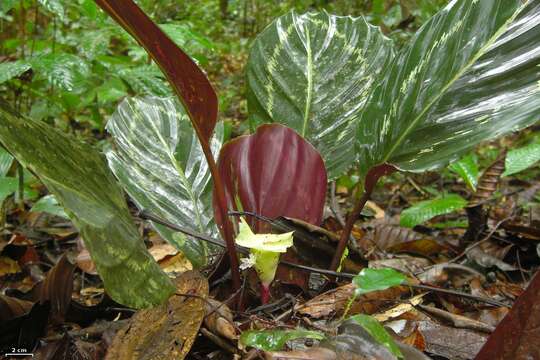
372,177
228,232
20,199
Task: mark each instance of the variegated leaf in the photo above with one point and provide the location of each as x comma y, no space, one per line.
471,73
5,161
313,73
160,164
78,176
9,70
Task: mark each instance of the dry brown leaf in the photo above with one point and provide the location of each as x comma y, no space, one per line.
11,307
333,302
166,331
219,319
309,354
8,266
400,309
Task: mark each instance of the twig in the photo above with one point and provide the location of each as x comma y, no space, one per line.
218,341
486,238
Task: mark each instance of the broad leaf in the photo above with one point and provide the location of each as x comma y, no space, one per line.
425,210
467,168
9,70
160,164
369,280
50,205
470,73
313,73
377,331
522,158
274,340
189,82
5,161
79,178
8,186
274,172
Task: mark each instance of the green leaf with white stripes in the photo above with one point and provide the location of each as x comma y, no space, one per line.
54,6
78,176
5,161
313,73
160,163
11,69
470,73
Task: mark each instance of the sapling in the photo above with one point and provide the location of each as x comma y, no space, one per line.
264,253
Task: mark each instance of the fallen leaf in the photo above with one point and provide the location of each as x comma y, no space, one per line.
11,307
219,319
518,335
8,266
57,288
168,330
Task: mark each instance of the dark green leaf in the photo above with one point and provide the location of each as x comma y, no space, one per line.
274,340
313,73
467,168
160,164
425,210
79,178
377,331
470,73
520,159
369,280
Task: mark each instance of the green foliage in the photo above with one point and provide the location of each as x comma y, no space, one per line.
50,205
79,178
313,73
8,186
425,210
9,70
54,6
160,163
448,88
522,158
274,340
377,331
5,162
369,280
467,168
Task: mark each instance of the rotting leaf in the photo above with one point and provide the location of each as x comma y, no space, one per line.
57,288
168,330
219,319
11,307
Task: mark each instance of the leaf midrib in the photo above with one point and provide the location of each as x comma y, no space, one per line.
309,90
458,75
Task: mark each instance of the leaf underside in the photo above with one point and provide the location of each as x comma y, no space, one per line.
79,178
313,73
159,162
470,74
